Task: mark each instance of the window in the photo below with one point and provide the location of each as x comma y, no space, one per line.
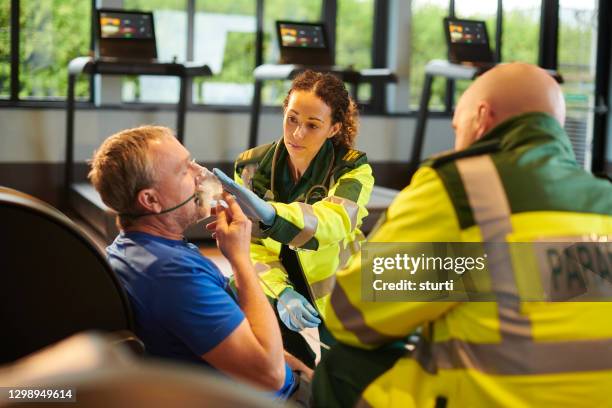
479,10
225,40
52,33
5,49
576,53
273,92
354,32
521,31
170,19
428,42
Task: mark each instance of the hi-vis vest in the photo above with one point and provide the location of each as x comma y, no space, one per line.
520,183
322,226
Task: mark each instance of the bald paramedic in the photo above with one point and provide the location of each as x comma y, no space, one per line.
512,178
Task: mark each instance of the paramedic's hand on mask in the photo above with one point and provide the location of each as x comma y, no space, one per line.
292,306
253,206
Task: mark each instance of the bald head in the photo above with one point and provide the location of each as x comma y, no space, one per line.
505,91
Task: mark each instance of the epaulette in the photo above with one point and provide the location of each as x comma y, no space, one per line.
253,155
449,156
352,158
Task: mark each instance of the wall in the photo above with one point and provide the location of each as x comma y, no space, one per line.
32,141
37,135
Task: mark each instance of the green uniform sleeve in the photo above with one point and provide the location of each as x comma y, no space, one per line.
327,221
267,264
422,212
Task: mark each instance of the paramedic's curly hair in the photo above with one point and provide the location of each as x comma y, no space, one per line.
332,91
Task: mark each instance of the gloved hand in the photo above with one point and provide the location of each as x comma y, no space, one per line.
253,206
292,306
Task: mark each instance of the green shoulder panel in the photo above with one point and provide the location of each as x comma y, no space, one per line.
347,160
445,166
476,150
449,174
254,155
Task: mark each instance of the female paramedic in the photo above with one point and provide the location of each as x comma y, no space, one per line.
308,191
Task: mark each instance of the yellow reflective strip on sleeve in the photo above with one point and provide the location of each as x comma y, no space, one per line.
525,357
352,319
351,208
309,229
362,403
323,287
344,255
351,248
261,268
247,175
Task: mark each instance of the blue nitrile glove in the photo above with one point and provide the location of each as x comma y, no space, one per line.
292,306
253,206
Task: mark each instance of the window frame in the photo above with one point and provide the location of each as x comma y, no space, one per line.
329,11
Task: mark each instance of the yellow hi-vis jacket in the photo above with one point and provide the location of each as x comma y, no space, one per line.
520,183
321,225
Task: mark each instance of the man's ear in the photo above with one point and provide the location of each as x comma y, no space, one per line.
334,129
148,200
484,119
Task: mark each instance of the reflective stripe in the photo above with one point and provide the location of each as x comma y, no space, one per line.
261,267
247,175
310,226
352,319
491,210
323,287
362,403
486,196
351,208
344,255
523,357
352,248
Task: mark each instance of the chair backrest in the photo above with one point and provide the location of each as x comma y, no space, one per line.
54,281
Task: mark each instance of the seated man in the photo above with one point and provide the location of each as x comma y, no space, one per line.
184,308
512,179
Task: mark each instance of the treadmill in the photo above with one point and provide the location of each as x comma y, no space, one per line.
125,45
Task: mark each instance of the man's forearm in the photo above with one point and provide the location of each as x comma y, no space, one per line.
257,309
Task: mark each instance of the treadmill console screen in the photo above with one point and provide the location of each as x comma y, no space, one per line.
305,36
467,32
126,25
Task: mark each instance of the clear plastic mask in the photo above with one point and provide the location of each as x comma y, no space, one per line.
208,188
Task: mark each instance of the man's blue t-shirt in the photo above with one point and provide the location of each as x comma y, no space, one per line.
183,306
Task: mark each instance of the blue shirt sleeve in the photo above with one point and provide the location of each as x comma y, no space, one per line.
194,303
288,386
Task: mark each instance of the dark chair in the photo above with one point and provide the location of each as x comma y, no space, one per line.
54,281
99,373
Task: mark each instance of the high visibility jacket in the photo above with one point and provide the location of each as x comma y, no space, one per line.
519,183
321,222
